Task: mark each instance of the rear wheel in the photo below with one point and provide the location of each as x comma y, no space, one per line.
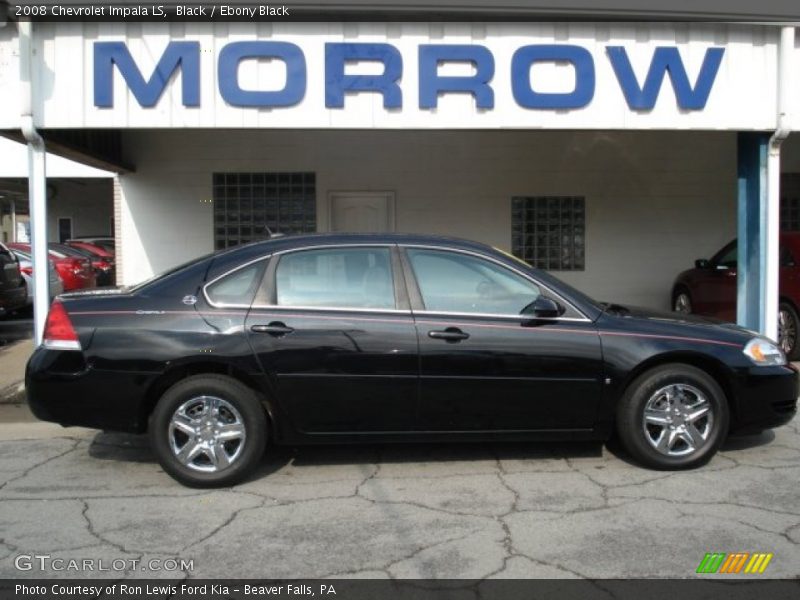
673,417
788,324
208,431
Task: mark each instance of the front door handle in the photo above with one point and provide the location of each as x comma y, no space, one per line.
275,328
451,334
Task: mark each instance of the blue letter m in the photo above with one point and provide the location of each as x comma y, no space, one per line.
184,55
665,60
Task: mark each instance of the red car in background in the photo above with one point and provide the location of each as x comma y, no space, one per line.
710,289
97,249
76,272
103,266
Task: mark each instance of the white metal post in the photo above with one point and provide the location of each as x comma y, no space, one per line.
37,184
772,209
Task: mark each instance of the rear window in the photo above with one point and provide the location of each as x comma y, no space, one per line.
237,288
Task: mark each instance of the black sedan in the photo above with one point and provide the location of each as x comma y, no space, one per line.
349,338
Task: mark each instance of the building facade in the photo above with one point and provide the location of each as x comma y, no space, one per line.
610,154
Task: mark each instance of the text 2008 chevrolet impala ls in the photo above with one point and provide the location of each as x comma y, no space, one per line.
348,338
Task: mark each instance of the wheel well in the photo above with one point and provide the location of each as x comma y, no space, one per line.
180,372
680,287
710,366
789,301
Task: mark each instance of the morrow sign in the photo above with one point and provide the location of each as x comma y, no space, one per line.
641,92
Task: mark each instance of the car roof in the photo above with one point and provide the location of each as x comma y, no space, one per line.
281,242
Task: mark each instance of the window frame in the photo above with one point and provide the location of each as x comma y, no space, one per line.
266,296
418,303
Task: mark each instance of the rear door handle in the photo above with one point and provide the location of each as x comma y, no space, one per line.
451,334
275,328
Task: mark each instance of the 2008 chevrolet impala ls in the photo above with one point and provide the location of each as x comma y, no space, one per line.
348,338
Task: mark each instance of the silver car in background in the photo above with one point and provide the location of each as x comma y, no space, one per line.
26,268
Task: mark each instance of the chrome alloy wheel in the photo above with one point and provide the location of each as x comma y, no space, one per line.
206,434
677,419
682,303
787,331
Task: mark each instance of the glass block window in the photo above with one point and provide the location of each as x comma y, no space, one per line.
246,204
549,232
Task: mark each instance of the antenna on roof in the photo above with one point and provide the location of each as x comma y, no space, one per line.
271,235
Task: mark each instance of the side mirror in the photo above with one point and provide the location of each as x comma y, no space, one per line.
543,308
701,263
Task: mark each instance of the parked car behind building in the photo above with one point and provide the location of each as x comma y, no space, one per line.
76,273
103,266
710,289
26,268
13,291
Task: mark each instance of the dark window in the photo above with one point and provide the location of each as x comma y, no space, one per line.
238,287
64,229
726,257
790,202
454,282
336,278
247,204
549,232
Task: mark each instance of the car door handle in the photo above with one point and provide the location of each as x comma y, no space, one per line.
275,328
451,334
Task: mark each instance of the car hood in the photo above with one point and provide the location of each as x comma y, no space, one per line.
678,321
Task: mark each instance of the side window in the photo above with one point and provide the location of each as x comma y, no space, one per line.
454,282
727,257
336,278
238,287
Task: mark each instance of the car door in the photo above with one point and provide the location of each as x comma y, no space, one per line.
716,291
484,366
334,334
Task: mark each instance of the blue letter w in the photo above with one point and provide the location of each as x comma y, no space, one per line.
665,60
185,55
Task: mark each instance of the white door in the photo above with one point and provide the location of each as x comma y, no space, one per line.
361,212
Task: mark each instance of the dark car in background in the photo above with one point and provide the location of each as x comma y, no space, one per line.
710,289
26,268
391,338
13,290
76,272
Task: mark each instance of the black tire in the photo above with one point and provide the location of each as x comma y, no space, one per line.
233,393
682,291
636,437
791,348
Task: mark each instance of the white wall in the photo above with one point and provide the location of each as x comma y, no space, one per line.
87,201
655,200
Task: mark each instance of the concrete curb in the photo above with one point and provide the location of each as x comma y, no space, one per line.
14,394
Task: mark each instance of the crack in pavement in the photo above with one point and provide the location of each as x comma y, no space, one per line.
25,472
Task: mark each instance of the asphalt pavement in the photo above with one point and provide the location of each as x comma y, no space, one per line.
431,510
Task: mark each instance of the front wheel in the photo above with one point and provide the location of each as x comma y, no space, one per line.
208,431
673,417
682,302
788,324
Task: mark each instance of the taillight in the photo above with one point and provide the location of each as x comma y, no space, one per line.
59,334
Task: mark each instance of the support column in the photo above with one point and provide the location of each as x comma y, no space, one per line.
757,282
